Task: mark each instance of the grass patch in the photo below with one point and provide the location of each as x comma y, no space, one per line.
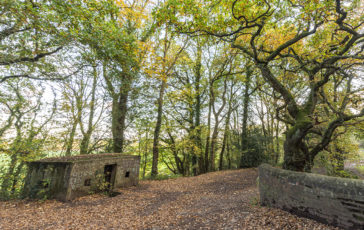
361,169
162,177
361,153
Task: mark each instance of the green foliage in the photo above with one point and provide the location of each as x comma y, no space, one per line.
14,191
265,65
25,135
254,154
296,37
29,38
344,174
361,169
99,184
255,201
162,176
334,157
43,191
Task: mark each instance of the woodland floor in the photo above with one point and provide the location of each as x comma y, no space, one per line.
219,200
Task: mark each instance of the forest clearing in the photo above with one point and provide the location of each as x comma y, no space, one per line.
97,95
217,200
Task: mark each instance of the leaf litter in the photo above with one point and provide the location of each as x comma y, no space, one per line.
217,200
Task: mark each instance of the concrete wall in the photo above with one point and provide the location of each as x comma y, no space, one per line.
90,170
66,180
47,180
331,200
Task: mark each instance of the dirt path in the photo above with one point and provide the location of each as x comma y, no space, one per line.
220,200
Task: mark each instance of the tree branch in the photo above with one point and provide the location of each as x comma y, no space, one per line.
30,59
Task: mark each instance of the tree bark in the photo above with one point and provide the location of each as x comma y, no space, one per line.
146,153
85,142
228,152
226,129
157,129
217,123
207,145
69,143
119,113
276,159
295,151
16,177
244,131
213,147
197,132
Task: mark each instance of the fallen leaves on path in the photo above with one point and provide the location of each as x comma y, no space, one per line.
219,200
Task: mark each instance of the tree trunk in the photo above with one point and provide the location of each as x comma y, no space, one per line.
146,153
226,129
213,146
244,131
157,130
277,144
16,177
296,153
207,145
85,142
277,151
221,160
197,132
228,152
217,122
71,138
119,113
9,175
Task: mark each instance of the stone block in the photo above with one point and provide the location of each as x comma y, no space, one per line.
331,200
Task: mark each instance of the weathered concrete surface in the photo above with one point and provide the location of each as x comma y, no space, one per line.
66,178
332,200
47,180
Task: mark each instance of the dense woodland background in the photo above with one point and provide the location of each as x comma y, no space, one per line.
190,86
